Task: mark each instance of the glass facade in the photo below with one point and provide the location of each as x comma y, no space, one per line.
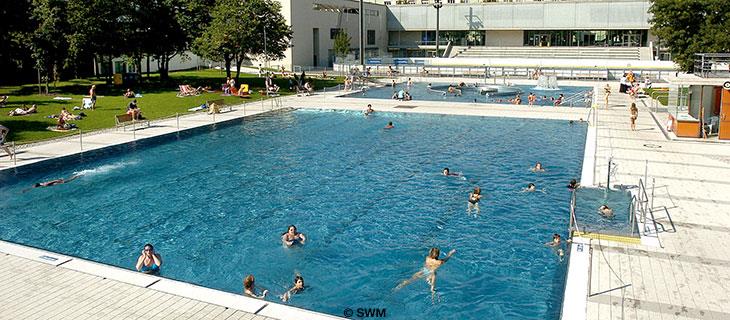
458,38
585,38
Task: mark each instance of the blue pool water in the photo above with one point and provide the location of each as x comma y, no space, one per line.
588,200
421,92
371,202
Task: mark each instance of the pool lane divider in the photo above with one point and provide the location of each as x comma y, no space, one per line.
170,286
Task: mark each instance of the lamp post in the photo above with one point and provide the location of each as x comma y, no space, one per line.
362,31
437,4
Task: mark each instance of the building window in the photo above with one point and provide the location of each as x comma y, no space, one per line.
585,38
334,32
371,37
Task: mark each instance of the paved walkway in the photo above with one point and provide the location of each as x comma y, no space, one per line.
689,278
34,290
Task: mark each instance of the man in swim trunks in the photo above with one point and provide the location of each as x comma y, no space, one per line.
149,261
390,125
446,172
474,198
428,271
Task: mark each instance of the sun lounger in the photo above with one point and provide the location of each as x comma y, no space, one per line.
187,91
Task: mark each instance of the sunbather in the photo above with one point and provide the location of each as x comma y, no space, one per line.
134,111
129,93
23,111
3,100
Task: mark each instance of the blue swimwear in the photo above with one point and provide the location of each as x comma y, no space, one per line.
426,271
150,269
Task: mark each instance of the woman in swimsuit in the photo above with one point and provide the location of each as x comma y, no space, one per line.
292,237
530,188
474,198
555,244
55,182
605,211
297,288
149,261
249,288
428,271
634,115
573,185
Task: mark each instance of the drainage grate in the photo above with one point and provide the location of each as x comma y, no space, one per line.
406,107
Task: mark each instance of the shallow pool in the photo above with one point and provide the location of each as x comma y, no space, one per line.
475,92
371,201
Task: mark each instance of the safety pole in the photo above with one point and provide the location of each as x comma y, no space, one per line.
608,179
81,141
15,156
134,130
177,118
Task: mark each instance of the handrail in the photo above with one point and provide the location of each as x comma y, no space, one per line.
642,204
573,224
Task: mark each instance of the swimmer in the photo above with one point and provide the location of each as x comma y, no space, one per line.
149,261
573,184
428,271
410,82
605,211
292,237
474,198
297,288
249,288
390,125
446,172
428,86
369,110
538,167
555,242
530,188
55,182
392,84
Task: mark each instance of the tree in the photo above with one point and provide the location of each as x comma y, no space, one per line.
342,44
48,44
687,27
15,60
236,32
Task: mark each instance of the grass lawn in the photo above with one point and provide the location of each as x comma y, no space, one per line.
158,101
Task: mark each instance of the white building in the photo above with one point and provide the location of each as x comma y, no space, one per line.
316,22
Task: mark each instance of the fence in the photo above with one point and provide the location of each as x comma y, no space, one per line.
263,105
419,70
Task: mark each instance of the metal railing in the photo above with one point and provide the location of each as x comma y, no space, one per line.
573,224
655,95
641,204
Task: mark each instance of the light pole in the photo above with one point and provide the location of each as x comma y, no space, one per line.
362,31
437,4
266,57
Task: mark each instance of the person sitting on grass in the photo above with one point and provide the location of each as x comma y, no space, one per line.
134,111
271,86
309,87
149,261
129,93
3,100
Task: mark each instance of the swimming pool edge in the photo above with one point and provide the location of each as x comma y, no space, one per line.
161,284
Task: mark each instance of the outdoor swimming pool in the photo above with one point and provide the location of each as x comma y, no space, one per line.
574,96
371,202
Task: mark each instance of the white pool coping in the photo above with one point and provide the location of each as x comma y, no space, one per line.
175,287
280,311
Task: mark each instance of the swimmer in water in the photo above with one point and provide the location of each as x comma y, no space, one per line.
530,188
474,198
573,184
297,288
369,110
390,125
149,261
556,245
249,288
428,271
292,237
56,182
446,172
538,167
555,242
605,211
410,82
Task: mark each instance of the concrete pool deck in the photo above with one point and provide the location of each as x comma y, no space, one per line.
687,279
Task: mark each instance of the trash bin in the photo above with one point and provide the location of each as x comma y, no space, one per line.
117,79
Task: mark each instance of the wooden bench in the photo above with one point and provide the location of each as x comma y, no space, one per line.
218,105
123,120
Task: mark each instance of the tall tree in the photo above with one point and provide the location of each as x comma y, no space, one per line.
236,32
48,44
687,27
